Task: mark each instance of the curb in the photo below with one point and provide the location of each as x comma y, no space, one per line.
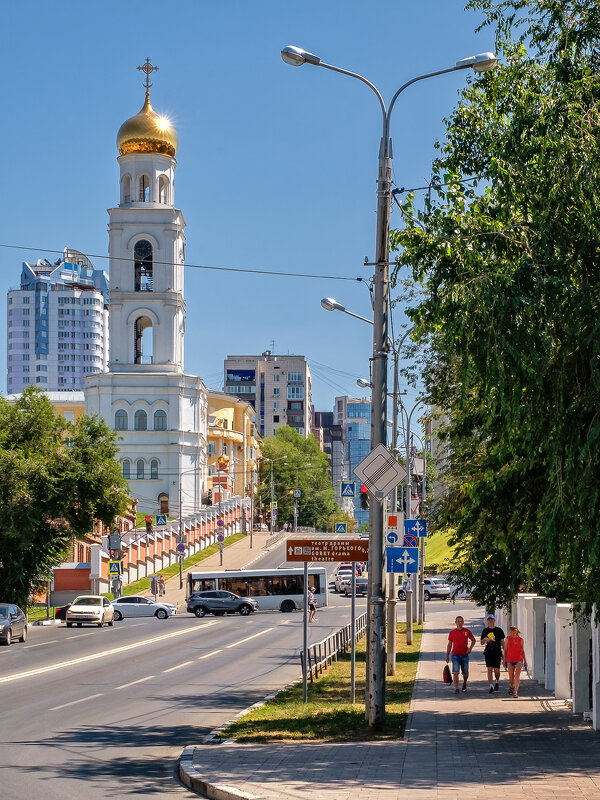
46,622
198,783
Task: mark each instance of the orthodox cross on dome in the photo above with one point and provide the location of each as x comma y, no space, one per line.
148,68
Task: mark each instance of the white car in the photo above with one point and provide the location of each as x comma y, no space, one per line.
90,608
136,605
341,578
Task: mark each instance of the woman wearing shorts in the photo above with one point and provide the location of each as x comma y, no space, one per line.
514,659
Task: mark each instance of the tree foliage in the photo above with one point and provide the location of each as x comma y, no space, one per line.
56,478
298,463
507,248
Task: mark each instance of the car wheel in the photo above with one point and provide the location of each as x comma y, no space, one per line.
426,595
101,624
7,638
79,624
244,610
23,636
69,624
118,616
401,594
199,611
161,614
111,623
287,606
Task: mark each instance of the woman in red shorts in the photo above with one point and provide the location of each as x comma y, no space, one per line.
514,659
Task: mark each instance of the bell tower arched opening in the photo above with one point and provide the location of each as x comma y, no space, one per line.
143,265
143,341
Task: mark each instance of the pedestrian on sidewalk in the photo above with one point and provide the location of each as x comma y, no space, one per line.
514,658
460,644
312,604
162,589
492,638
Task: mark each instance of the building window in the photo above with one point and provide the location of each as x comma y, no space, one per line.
160,420
140,469
276,378
126,189
276,391
127,468
140,421
142,258
121,420
275,417
275,406
295,377
163,190
212,448
295,392
143,340
144,189
154,469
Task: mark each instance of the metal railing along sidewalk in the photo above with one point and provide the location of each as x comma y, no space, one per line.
321,654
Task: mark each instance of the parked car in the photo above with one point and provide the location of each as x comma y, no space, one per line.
435,588
362,585
61,612
91,608
138,606
340,577
220,603
13,623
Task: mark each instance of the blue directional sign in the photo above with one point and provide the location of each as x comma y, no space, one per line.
392,537
161,519
348,489
402,559
340,527
418,527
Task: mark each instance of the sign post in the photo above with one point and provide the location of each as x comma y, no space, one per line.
305,638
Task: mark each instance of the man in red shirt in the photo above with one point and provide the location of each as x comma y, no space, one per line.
460,644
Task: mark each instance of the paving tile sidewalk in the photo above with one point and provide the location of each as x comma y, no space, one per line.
473,746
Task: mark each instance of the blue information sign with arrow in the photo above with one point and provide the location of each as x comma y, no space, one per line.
402,559
418,527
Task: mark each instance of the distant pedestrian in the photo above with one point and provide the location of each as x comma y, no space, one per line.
312,604
492,638
154,586
460,644
162,589
514,659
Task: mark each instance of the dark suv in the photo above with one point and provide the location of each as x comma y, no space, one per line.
220,603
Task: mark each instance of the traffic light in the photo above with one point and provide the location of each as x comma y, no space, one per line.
148,524
364,498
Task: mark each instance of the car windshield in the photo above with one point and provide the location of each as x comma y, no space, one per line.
3,612
87,601
439,582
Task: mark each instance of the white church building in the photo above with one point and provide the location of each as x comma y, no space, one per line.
158,411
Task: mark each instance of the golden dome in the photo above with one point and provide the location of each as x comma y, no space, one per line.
147,132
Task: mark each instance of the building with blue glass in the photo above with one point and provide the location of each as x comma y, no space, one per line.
354,416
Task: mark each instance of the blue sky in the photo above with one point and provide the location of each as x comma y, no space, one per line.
276,165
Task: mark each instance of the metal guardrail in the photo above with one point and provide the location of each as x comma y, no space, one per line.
321,654
275,538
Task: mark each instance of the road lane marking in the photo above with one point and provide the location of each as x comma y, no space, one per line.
214,653
80,635
29,646
179,666
95,656
133,683
74,702
247,639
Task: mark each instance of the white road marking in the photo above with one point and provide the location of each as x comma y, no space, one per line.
74,702
214,653
80,635
95,656
179,666
247,639
133,683
29,646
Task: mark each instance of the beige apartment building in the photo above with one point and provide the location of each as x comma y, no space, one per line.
278,387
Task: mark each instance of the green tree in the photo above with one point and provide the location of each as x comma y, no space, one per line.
506,248
297,463
56,478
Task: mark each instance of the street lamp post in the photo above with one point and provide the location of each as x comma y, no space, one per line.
295,56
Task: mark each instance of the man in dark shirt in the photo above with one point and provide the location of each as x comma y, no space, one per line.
492,638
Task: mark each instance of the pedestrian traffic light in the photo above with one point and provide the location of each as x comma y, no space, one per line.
364,498
148,524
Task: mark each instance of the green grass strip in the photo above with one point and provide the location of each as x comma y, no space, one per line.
328,716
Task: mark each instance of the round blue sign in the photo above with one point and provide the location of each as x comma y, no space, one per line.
220,523
392,537
220,537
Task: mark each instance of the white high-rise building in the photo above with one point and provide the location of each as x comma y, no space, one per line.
158,410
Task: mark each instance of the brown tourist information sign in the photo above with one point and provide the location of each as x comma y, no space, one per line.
334,549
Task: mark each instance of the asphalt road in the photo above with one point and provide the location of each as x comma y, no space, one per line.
104,713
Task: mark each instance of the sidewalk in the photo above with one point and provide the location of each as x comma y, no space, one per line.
473,746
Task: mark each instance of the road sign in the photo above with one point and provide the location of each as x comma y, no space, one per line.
327,549
418,527
274,504
402,559
348,489
220,523
297,493
341,527
115,568
180,548
410,540
392,521
220,537
392,537
380,472
161,519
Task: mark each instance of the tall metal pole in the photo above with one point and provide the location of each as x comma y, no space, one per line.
391,601
272,495
251,505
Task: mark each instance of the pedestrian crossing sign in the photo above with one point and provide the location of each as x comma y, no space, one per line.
340,527
115,568
161,519
348,489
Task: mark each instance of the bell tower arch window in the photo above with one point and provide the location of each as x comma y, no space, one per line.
143,341
163,190
144,189
141,421
126,189
142,257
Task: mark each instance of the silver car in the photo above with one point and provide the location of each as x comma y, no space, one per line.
13,623
136,605
93,609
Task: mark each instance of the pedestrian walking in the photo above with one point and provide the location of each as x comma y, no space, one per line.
312,604
460,644
514,658
492,639
162,589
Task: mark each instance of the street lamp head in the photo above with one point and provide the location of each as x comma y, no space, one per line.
296,56
364,383
482,62
329,304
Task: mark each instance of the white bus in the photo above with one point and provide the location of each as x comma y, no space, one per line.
275,589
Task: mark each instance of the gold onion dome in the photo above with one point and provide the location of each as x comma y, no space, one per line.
147,132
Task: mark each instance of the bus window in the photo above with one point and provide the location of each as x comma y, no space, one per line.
315,580
203,584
